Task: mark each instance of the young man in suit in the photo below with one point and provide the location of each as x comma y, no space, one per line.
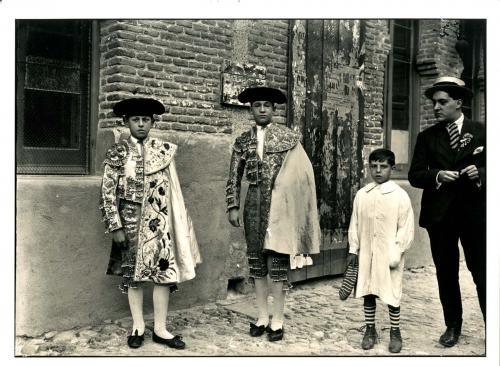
449,163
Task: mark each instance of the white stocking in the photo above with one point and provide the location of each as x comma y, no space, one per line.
278,304
161,296
262,292
135,296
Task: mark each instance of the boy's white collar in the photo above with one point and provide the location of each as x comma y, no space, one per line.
135,141
261,128
386,187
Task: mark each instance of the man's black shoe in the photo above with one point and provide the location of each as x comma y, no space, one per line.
257,331
275,335
450,337
175,342
135,340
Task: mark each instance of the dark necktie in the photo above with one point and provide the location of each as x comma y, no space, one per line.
454,134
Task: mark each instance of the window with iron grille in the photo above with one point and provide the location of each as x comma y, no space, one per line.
52,96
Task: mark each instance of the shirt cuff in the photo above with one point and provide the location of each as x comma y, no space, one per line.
229,207
353,251
438,183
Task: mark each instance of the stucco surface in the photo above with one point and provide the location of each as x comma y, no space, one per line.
62,251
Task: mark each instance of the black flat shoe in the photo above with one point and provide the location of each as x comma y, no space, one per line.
257,331
275,335
135,340
175,342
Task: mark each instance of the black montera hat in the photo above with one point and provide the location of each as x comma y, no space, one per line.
447,84
138,107
250,95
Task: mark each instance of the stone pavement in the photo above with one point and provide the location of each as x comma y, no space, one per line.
317,323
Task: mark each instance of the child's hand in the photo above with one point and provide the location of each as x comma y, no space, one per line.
351,258
234,217
119,237
395,256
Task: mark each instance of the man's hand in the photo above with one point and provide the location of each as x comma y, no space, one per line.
447,176
119,237
351,258
471,172
234,216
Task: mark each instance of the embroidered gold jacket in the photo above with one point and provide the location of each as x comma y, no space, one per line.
278,140
124,171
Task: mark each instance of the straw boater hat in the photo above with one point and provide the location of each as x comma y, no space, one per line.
447,84
272,95
138,107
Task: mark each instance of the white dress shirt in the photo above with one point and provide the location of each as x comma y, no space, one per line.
137,145
261,136
459,122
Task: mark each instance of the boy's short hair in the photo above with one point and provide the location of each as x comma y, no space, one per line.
382,155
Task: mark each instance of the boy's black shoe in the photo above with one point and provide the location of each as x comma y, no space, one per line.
396,342
175,342
135,340
257,331
450,337
275,335
370,337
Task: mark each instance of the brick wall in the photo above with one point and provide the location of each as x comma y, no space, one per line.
268,46
436,57
377,45
179,62
175,61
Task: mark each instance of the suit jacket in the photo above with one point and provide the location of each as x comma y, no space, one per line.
432,154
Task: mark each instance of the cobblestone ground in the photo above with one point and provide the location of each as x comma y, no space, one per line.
317,323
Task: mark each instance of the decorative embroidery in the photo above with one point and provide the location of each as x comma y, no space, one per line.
159,155
143,192
124,175
465,140
117,154
156,260
261,174
108,198
279,139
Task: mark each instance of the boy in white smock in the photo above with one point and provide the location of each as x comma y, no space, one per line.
380,232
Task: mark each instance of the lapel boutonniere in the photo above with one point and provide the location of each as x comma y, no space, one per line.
465,140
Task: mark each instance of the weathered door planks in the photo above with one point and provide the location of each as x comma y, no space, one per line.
326,108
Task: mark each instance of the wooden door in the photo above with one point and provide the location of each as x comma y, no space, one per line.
326,58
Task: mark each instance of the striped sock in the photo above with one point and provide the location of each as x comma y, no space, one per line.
370,314
394,315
